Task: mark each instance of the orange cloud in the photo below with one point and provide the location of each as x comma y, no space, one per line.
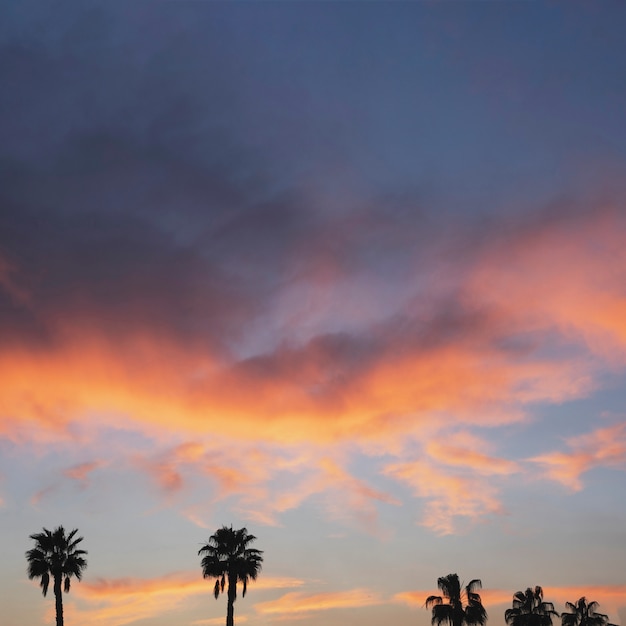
448,496
604,447
218,621
610,597
295,602
81,471
565,274
460,450
123,601
42,493
480,362
292,398
354,499
264,481
489,597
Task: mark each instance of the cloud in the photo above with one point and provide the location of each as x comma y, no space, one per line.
459,484
296,602
489,597
346,498
262,481
126,600
561,272
42,493
218,621
610,597
261,316
604,447
9,283
474,356
450,498
80,472
460,450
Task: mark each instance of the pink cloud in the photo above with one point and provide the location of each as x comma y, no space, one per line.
461,449
80,472
604,447
449,497
262,481
296,602
564,274
115,602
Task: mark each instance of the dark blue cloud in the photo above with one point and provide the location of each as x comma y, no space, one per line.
177,164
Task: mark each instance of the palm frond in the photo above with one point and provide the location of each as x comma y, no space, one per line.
442,613
44,583
432,600
592,606
55,556
474,584
475,614
227,555
569,619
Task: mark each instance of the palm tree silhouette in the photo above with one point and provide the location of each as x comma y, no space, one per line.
529,609
56,556
583,613
227,556
455,612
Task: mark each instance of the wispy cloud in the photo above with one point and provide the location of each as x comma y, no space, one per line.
604,447
457,478
81,471
125,600
296,602
461,449
263,481
451,499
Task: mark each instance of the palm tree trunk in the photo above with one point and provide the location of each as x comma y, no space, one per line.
58,597
232,595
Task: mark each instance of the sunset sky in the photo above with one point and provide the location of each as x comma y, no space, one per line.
351,275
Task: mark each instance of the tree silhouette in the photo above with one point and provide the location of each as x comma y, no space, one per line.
529,609
228,557
583,613
56,556
463,606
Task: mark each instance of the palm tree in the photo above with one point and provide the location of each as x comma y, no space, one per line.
227,556
583,613
464,607
56,556
529,609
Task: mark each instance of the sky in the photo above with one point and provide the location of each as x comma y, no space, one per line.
351,275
